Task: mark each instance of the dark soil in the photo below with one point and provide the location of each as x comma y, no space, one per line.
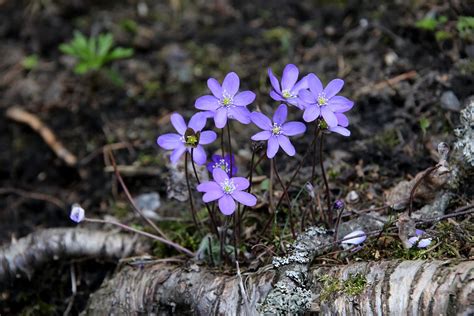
178,46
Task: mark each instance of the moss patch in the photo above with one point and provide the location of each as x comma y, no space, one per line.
352,286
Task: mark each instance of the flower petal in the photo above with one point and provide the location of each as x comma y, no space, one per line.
307,97
328,116
314,84
423,243
209,186
333,88
264,135
199,155
178,123
219,175
227,204
220,118
302,84
275,96
286,145
272,147
293,128
197,121
215,87
340,130
241,183
244,198
169,141
239,113
342,120
280,114
212,195
274,81
261,121
207,102
359,237
231,84
289,77
207,137
177,153
340,104
244,98
311,113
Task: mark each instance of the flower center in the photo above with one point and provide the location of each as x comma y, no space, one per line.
276,129
191,141
322,99
227,100
228,186
286,94
222,164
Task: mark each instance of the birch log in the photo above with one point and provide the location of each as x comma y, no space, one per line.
391,288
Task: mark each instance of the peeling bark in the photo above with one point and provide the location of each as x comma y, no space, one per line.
392,287
27,254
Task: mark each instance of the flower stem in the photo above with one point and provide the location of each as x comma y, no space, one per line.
160,239
292,225
190,193
313,168
326,184
338,221
230,150
211,214
130,198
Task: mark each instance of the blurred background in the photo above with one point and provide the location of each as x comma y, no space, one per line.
408,65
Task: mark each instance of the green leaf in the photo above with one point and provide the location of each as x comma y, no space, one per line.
30,62
428,24
119,53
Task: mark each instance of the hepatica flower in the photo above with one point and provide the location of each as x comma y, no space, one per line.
77,213
226,190
277,132
223,163
226,101
289,88
189,137
359,237
324,102
418,241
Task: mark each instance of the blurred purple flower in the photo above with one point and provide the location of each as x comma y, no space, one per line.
319,102
77,213
277,132
226,101
359,237
223,163
420,243
189,137
289,89
338,204
227,191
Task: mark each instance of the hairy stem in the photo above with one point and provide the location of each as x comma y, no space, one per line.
191,201
136,231
292,225
326,184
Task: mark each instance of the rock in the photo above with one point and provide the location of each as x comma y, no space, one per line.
352,197
148,203
449,101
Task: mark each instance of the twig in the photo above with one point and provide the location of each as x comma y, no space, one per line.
384,83
17,114
35,196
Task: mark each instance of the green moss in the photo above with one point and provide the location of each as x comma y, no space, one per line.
352,286
387,139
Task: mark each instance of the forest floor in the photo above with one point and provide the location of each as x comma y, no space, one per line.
409,83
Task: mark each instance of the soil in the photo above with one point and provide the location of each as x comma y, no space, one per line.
394,71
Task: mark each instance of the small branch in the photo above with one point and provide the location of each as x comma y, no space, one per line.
415,186
22,116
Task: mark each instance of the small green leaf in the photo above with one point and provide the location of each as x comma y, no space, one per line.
424,124
30,62
428,24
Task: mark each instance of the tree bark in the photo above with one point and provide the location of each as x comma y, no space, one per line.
390,288
24,256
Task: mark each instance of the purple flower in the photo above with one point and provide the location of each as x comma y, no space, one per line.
277,132
77,213
339,204
324,102
226,190
190,137
359,237
288,92
223,163
226,101
416,241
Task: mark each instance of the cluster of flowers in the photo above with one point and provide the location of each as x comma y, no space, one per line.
226,102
